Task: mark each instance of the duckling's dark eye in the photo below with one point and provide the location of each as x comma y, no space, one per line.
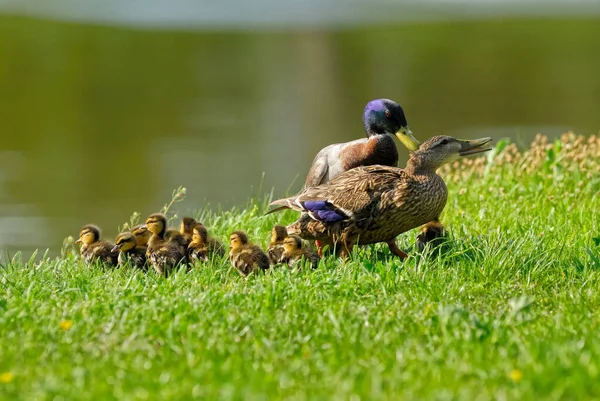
388,114
444,142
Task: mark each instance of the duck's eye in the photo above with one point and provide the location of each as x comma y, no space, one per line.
444,142
388,114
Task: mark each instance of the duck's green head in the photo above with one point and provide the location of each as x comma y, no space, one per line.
384,116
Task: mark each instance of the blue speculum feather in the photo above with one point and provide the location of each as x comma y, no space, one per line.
323,211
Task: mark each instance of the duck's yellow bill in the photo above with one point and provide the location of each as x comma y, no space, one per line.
405,136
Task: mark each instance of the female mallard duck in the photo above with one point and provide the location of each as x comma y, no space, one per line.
294,253
275,249
373,204
382,119
244,256
129,251
94,249
141,234
164,252
203,246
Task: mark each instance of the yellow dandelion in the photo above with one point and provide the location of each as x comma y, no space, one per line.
516,375
66,324
427,309
6,377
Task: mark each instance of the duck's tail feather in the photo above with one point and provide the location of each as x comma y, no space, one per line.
277,209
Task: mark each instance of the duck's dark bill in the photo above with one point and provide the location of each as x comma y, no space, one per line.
473,146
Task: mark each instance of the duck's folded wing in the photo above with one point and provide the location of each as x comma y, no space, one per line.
351,193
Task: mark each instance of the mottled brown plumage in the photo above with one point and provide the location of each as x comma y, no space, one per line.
203,246
275,248
93,249
129,252
374,204
295,253
244,256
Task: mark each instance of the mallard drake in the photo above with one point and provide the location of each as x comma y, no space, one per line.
142,235
129,251
165,250
382,118
203,246
94,249
244,256
431,233
294,252
275,249
373,204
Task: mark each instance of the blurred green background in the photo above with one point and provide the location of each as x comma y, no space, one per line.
102,117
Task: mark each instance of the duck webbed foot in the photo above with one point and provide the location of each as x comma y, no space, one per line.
319,246
397,251
432,233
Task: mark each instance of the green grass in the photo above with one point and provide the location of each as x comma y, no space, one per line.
510,311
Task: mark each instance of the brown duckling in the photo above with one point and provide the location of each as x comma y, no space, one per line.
164,252
94,249
294,253
275,249
129,251
244,256
142,235
432,233
186,227
203,246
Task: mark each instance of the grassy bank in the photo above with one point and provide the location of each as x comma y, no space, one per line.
510,311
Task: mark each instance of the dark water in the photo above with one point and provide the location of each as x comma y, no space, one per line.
97,122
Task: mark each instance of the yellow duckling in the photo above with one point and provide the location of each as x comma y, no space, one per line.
186,227
295,253
244,256
275,249
129,252
94,249
142,235
163,253
203,246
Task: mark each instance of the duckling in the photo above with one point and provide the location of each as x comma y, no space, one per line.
275,249
371,204
244,256
94,249
202,245
294,252
186,227
142,235
431,233
129,251
163,253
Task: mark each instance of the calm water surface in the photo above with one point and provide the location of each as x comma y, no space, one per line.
97,122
